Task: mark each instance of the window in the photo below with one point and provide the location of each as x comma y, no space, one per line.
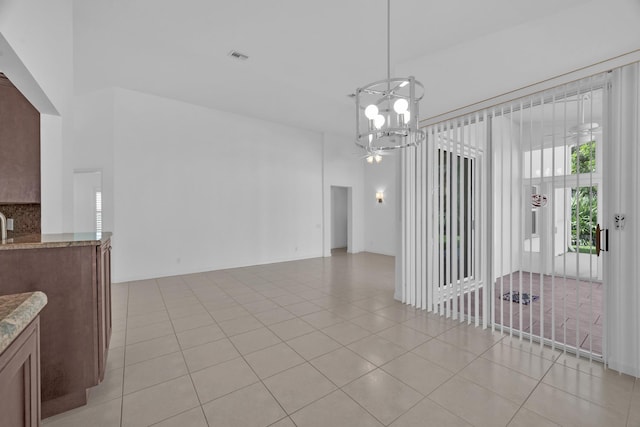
98,211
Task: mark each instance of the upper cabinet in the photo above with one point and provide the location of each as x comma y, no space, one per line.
19,146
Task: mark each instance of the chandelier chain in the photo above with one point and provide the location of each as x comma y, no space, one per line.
389,41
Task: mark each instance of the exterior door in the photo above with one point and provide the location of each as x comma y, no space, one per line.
548,192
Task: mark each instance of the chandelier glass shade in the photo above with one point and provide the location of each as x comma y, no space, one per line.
387,111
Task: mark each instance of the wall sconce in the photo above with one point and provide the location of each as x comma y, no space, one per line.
380,196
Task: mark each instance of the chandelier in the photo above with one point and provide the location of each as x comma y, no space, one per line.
387,111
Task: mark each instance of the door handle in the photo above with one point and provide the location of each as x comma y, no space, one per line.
599,246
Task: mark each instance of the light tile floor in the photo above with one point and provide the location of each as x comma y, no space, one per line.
322,342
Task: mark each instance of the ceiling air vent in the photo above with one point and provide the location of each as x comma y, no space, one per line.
237,55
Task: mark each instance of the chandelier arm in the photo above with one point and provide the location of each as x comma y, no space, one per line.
367,89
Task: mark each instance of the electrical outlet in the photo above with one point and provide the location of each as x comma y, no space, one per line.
9,224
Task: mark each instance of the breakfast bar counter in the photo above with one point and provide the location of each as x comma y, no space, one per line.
60,240
74,271
16,312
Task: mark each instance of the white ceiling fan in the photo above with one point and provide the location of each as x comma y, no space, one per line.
584,131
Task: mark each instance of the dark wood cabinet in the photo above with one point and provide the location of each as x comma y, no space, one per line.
19,145
76,322
20,380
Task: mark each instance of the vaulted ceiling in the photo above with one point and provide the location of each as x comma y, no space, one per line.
305,57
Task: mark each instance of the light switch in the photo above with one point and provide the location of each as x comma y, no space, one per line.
9,224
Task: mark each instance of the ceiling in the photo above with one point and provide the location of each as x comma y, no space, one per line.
304,57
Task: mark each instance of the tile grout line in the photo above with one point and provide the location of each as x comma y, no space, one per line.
553,362
124,358
250,367
305,361
184,361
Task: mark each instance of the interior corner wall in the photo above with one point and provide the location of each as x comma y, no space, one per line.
199,189
380,218
343,166
41,35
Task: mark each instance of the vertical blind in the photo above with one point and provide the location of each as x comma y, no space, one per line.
623,198
499,211
547,187
493,213
443,209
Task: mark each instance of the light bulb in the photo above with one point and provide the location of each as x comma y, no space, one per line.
379,121
400,106
369,158
404,83
378,158
371,112
407,116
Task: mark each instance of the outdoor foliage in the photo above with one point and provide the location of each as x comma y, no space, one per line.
584,200
583,158
584,216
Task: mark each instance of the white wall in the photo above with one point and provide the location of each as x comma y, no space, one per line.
110,137
343,167
339,212
380,218
41,36
198,189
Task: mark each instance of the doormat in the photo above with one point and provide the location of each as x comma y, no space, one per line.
515,297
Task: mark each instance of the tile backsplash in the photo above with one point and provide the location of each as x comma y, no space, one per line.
26,218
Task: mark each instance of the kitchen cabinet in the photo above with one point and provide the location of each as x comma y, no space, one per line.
20,359
19,147
19,380
74,271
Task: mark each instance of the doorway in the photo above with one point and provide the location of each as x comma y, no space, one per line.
340,215
548,275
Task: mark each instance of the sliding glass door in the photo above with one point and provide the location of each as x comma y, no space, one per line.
522,217
547,272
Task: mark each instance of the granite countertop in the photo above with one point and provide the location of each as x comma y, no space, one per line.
35,241
16,312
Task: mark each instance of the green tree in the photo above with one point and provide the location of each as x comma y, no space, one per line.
584,200
584,216
583,158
